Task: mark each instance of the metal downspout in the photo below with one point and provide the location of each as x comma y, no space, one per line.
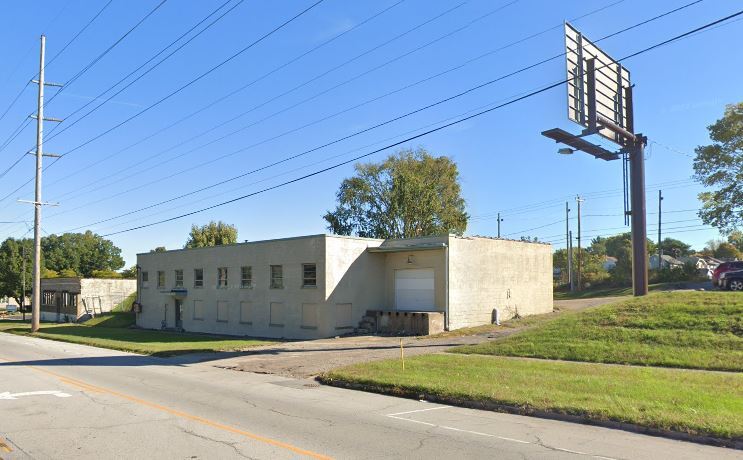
446,276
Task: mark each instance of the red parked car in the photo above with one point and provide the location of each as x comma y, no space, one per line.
725,267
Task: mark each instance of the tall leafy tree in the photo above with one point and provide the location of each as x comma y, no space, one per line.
11,267
675,248
410,194
211,234
719,167
82,253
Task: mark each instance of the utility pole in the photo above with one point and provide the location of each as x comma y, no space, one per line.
567,247
23,280
580,257
570,260
36,289
499,221
660,220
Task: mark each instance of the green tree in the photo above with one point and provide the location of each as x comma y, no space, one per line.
211,234
67,273
11,267
130,273
592,265
719,168
736,239
105,274
727,251
81,252
675,248
159,249
410,194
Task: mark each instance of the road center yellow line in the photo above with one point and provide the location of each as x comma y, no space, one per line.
181,414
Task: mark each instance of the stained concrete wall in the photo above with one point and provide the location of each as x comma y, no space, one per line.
348,283
102,293
513,276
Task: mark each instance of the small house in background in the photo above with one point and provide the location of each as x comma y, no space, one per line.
609,262
667,262
76,299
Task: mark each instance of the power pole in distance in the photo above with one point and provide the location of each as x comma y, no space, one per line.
499,221
570,259
660,220
23,280
580,258
36,289
567,247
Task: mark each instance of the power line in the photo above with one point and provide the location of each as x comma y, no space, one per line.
531,94
215,11
448,11
80,73
300,154
173,93
355,58
222,98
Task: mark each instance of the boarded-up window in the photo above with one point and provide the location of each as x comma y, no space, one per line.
161,279
198,309
223,311
246,312
343,316
309,315
277,314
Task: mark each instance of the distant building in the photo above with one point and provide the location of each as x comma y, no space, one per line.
667,262
74,299
324,285
609,262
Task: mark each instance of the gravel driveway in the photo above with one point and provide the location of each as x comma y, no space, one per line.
312,357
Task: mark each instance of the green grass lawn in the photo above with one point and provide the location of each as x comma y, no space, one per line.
659,332
591,293
695,402
114,319
675,329
106,334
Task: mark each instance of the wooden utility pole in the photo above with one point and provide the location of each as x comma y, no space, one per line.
580,256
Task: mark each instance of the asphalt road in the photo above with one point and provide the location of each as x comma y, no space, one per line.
69,401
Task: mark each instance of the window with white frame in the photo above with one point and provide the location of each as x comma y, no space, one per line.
277,277
246,277
309,275
222,277
179,278
198,277
161,279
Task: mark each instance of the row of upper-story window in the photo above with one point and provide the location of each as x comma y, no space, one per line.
276,277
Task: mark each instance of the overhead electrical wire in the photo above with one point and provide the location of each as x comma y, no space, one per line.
80,73
235,91
151,157
307,151
176,91
337,165
335,68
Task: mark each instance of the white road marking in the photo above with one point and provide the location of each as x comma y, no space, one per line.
419,410
59,394
488,435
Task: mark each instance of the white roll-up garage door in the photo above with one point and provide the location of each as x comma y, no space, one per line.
414,289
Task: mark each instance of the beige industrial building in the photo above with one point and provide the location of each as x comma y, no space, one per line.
326,285
74,299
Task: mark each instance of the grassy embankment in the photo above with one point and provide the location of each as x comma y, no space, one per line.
682,341
112,331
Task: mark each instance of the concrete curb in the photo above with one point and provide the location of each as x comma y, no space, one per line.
735,443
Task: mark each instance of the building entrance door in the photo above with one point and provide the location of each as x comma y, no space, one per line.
178,314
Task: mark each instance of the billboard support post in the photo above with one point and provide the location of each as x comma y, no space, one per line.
600,100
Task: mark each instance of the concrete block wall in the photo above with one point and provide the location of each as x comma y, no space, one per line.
513,276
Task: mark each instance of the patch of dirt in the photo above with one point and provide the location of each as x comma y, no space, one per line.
313,357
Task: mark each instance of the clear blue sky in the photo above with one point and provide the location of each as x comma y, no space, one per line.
505,164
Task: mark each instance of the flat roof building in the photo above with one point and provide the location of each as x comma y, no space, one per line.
75,299
326,285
